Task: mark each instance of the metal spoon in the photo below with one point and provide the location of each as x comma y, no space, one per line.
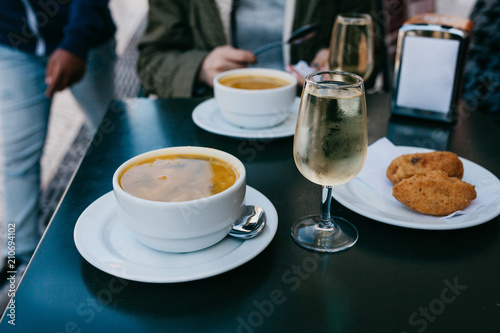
250,224
298,36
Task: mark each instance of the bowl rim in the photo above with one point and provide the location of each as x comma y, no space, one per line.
264,71
233,160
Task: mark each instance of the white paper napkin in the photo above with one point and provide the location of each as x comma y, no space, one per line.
380,155
303,68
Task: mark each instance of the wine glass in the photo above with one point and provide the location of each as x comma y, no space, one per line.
329,149
351,45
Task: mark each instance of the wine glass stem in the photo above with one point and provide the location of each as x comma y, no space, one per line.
326,200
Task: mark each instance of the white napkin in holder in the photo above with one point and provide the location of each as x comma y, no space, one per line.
430,58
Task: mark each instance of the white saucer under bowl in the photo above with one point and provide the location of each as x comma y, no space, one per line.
208,117
109,246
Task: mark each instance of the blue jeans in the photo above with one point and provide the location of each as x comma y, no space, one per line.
24,116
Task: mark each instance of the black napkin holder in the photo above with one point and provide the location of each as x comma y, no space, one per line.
430,58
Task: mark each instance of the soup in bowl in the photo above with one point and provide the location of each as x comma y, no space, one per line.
255,97
253,82
180,199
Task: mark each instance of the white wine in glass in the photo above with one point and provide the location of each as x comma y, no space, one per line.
329,149
351,45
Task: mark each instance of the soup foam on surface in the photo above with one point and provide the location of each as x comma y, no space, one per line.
179,177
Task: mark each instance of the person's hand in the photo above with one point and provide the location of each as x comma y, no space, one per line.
319,63
221,59
63,70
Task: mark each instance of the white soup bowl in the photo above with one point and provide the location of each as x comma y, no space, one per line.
258,108
183,226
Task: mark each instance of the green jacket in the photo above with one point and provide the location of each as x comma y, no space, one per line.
180,33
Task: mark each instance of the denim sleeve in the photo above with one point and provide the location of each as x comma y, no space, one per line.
89,25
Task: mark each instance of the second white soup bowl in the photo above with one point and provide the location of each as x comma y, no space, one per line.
259,108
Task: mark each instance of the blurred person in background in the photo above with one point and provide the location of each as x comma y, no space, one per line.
187,43
481,89
45,47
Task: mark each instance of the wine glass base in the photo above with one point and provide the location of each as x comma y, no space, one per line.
340,235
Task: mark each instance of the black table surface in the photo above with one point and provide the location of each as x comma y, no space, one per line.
393,280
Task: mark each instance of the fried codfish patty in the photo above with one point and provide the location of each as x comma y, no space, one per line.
434,193
408,165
